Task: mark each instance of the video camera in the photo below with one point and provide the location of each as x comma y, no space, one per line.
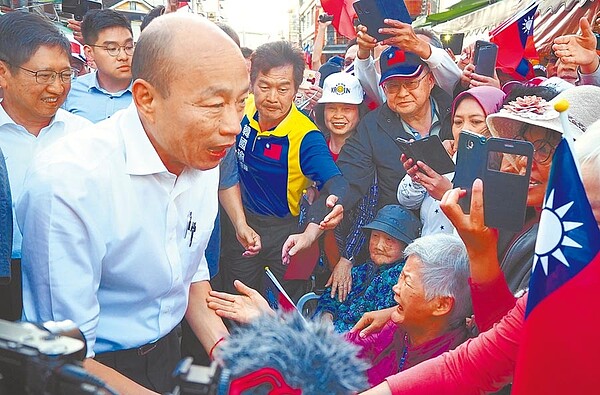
44,360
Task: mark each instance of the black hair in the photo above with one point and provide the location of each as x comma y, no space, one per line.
350,44
23,33
97,20
246,52
545,92
154,13
229,31
319,117
277,54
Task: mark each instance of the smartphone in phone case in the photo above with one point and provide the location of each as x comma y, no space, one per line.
428,150
371,14
506,188
504,166
485,56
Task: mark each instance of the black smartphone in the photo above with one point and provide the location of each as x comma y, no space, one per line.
428,150
371,14
454,41
325,18
469,157
504,166
80,7
484,56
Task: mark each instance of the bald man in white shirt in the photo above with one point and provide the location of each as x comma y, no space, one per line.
116,222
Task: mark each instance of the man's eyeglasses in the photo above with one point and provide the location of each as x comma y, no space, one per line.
394,86
543,149
114,50
47,77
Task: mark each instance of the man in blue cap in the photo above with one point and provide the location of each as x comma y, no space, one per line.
415,108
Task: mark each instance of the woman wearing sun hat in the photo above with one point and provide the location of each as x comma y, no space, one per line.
535,120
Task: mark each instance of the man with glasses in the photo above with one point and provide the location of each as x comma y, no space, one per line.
35,76
415,108
109,44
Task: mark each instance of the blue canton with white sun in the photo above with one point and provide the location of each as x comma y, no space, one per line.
568,237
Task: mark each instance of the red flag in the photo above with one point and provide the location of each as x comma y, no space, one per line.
559,349
272,151
513,36
343,16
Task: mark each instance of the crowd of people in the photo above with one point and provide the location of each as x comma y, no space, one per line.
147,201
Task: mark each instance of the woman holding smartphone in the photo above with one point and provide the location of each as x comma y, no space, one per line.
422,187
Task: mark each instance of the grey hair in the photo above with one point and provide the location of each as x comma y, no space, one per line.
433,38
587,147
444,271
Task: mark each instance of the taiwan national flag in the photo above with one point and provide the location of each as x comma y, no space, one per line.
560,346
513,37
343,16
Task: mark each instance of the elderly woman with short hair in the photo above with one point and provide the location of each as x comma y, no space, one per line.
433,300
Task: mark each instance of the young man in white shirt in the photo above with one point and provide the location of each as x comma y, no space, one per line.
109,45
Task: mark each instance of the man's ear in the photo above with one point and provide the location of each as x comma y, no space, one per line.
144,96
89,53
4,74
442,305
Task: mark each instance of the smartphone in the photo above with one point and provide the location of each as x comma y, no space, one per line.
454,41
310,78
325,18
428,150
484,56
469,157
80,7
371,14
303,96
504,166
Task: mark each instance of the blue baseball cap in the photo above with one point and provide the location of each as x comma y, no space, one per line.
397,222
395,62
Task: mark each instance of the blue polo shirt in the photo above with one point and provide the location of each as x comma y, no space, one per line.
276,165
90,101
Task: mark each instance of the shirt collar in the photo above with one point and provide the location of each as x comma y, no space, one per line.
5,119
93,83
140,156
282,129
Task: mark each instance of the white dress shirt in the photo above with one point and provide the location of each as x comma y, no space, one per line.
20,147
105,241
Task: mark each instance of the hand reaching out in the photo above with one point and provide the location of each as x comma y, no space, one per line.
240,308
372,321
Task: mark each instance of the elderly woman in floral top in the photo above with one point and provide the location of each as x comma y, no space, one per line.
391,231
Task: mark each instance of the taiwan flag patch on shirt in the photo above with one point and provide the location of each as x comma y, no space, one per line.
272,151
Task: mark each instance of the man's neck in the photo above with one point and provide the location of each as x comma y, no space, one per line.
33,126
268,124
420,120
111,85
